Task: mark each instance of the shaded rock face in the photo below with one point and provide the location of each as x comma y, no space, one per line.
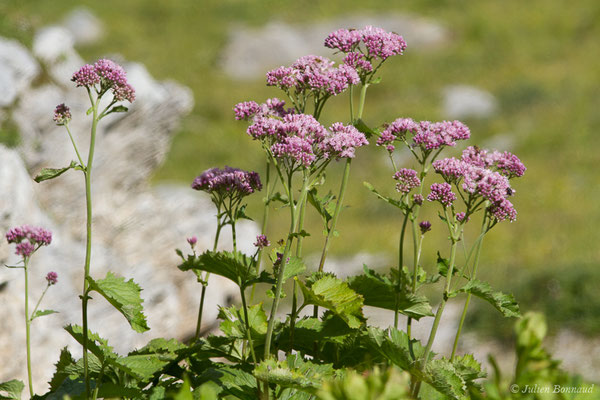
136,226
250,52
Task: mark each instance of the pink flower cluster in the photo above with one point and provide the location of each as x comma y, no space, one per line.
28,239
484,174
109,75
407,180
301,138
251,110
62,114
262,242
233,182
425,134
377,42
52,278
314,74
443,193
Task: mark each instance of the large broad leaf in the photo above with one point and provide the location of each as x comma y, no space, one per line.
124,296
234,326
505,303
294,267
60,374
389,384
443,377
394,202
308,330
379,291
335,295
11,389
51,173
395,346
234,381
294,373
236,267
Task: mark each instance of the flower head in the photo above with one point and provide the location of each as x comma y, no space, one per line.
442,192
192,241
109,75
425,226
377,42
460,217
407,180
229,182
28,239
52,278
262,242
397,130
298,139
62,114
342,140
418,199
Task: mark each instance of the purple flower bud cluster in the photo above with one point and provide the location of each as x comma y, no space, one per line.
425,134
109,75
407,180
314,74
460,217
377,42
28,239
229,181
262,242
506,163
425,227
62,114
418,199
252,110
442,192
342,140
192,241
52,278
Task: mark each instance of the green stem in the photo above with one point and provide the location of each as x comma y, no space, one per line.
265,221
361,101
246,320
440,310
38,302
294,313
27,328
74,145
293,228
400,265
205,283
88,244
468,300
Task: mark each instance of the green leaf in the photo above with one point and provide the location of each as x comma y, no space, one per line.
95,344
41,313
294,372
396,346
335,295
235,266
60,374
389,384
185,392
505,303
118,109
444,378
325,206
51,173
110,390
11,389
124,296
234,381
379,291
394,202
362,127
468,367
141,366
233,324
293,268
241,213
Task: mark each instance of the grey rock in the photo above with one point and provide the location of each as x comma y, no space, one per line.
250,52
84,26
463,101
17,69
53,45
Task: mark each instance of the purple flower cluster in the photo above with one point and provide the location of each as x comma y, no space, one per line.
28,239
229,181
342,140
425,227
314,74
425,134
407,180
109,75
442,192
484,174
62,114
52,278
377,42
271,108
262,242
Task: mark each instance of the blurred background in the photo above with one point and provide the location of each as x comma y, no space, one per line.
523,75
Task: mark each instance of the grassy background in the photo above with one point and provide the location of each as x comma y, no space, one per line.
540,59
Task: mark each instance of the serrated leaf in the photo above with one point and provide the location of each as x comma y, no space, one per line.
141,366
60,373
293,268
234,381
11,389
235,266
444,378
394,202
233,324
124,296
110,390
294,372
396,346
468,368
95,344
335,295
41,313
51,173
362,127
379,291
505,303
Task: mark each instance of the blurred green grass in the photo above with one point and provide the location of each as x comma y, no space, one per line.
539,58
